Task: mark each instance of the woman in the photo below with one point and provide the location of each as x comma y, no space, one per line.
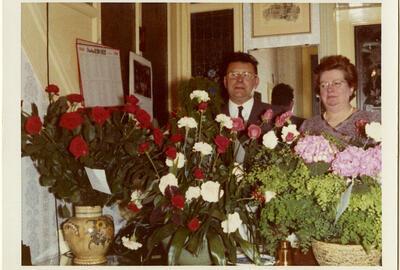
336,80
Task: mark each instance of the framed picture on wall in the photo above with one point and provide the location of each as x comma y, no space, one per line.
141,81
368,63
280,19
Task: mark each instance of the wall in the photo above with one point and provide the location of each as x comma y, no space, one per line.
66,23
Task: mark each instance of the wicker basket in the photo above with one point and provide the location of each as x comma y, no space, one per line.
351,255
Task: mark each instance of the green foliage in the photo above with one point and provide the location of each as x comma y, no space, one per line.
307,196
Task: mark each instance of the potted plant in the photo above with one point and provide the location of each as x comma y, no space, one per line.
190,197
68,140
320,189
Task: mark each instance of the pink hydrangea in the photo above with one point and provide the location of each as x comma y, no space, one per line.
315,148
348,162
354,161
371,164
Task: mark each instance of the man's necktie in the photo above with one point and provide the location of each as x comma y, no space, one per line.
240,109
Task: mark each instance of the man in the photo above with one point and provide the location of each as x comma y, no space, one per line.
240,80
282,95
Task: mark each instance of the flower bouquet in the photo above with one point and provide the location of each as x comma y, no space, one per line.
317,187
71,138
193,196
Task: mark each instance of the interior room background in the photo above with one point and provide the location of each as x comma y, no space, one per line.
181,40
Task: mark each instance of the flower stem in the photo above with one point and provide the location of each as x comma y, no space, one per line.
199,130
152,163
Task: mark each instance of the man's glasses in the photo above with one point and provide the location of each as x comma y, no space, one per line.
335,84
245,75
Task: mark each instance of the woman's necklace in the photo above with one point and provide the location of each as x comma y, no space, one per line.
335,122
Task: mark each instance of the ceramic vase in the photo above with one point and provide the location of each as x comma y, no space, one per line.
89,234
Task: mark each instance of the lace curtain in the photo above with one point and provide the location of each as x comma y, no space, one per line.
39,224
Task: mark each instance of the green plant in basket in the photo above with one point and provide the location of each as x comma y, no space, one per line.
71,138
317,187
193,196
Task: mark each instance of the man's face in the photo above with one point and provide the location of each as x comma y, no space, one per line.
240,80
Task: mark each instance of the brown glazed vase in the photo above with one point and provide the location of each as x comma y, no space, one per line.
89,234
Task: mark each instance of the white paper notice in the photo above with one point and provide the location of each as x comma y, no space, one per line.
100,75
98,180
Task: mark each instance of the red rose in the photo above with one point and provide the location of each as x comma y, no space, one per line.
75,98
258,195
131,99
78,147
33,125
281,119
176,138
198,174
173,114
71,120
202,106
143,117
222,143
130,108
158,136
143,147
267,116
178,201
237,124
289,137
253,131
193,224
171,152
360,126
100,115
133,207
52,88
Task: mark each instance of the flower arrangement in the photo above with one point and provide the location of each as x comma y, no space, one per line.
196,198
71,137
317,187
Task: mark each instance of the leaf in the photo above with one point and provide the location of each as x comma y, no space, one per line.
248,248
176,246
64,211
216,248
159,235
318,168
34,109
194,243
31,148
130,148
344,202
89,131
47,180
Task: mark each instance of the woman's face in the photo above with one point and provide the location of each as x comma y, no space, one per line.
335,92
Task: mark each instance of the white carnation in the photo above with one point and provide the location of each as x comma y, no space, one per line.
200,95
231,224
269,195
167,180
187,122
224,120
270,140
131,243
210,191
289,129
192,193
238,171
373,130
203,148
179,161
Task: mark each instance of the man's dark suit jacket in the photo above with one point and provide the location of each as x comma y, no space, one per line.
259,109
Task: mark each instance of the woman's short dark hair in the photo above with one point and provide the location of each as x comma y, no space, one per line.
238,57
338,62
